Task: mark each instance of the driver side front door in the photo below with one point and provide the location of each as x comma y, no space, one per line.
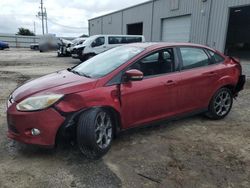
156,96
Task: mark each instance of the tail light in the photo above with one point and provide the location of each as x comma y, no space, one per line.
237,62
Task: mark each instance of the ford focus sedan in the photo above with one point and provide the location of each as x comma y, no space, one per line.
123,88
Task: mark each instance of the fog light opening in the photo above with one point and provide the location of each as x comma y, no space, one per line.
35,132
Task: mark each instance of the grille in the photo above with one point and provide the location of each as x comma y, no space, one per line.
73,51
11,127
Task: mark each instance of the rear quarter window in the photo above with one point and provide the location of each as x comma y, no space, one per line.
216,58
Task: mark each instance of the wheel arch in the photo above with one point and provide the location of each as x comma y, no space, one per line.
116,117
67,129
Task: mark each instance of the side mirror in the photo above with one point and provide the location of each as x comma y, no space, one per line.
133,75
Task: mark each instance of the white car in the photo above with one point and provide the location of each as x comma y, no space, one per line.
76,42
99,43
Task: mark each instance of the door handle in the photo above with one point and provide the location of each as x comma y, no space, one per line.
169,83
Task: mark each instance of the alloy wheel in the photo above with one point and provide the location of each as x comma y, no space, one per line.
103,130
223,102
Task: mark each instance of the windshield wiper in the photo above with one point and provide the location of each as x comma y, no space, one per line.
85,75
80,74
75,72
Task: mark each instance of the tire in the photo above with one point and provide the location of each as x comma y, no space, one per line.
89,56
221,104
82,58
95,133
59,55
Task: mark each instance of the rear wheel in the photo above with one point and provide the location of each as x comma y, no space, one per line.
95,133
221,104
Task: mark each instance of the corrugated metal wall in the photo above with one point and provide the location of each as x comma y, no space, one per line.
112,23
138,14
219,21
18,41
116,23
209,19
198,10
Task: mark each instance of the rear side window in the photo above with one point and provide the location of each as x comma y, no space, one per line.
133,39
123,40
126,40
193,58
115,40
216,58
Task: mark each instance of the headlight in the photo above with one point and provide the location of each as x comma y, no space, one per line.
38,102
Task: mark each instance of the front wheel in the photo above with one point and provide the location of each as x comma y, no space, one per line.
95,133
89,56
221,104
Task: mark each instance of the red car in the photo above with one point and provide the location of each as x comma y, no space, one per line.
126,87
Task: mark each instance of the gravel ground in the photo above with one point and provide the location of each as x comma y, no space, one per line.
192,152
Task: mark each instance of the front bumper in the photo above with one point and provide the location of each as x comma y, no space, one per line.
75,56
77,53
20,124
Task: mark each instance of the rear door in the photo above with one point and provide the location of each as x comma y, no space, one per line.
198,76
156,96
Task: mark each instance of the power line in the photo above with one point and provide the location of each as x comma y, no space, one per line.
70,27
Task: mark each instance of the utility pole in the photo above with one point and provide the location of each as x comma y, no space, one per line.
42,16
46,20
34,27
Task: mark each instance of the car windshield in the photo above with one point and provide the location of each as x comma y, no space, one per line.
106,62
89,40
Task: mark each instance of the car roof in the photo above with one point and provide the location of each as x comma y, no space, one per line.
155,45
110,35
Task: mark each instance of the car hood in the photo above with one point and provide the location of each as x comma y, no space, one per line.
80,46
62,82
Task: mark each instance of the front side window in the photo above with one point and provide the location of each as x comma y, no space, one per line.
157,63
193,58
98,42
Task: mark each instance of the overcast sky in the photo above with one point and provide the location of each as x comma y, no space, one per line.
66,17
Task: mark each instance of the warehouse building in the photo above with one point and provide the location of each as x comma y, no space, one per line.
221,24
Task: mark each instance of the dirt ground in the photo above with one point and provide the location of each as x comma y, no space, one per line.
192,152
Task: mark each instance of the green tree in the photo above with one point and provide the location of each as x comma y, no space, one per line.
26,32
84,35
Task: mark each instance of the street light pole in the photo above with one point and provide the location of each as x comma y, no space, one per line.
42,16
46,20
34,27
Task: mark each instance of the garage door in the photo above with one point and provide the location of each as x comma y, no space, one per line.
176,29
